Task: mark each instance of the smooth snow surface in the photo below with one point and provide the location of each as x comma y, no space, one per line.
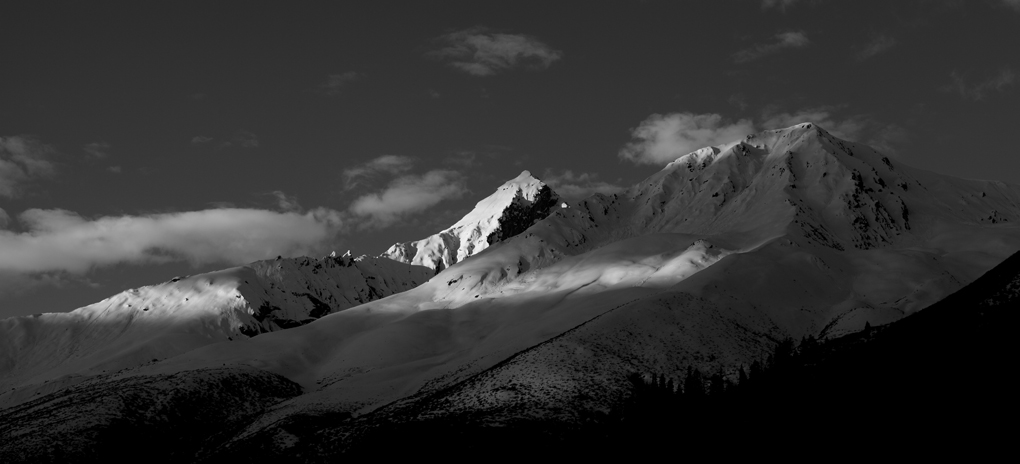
708,262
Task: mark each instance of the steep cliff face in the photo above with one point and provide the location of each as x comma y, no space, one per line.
515,206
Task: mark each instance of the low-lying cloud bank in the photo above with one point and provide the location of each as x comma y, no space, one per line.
57,240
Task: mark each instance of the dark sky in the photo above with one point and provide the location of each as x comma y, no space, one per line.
143,140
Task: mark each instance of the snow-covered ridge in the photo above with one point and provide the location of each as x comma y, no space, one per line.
514,207
160,321
707,262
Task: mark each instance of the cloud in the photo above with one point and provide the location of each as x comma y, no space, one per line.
661,139
664,138
336,82
200,139
286,202
883,137
4,219
115,169
878,44
784,40
98,150
977,92
22,159
385,164
57,240
781,4
407,195
246,139
479,52
1014,4
580,185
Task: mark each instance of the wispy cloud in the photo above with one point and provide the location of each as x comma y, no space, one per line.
783,41
56,240
664,138
286,202
781,4
22,159
882,136
97,150
385,164
407,195
241,138
878,44
335,83
575,186
246,139
977,91
1014,4
660,139
479,52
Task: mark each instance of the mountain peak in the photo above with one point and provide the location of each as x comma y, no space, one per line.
512,208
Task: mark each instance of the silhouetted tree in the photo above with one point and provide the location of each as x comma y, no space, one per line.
694,387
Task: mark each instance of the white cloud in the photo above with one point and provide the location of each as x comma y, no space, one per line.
385,164
4,219
336,82
481,53
664,138
200,139
22,159
98,150
977,92
784,40
407,195
62,241
580,185
1015,4
878,44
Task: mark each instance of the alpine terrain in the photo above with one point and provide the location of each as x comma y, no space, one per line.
539,313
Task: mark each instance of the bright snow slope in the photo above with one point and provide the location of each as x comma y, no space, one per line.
44,352
515,206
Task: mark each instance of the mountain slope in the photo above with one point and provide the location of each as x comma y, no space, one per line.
43,352
709,262
515,206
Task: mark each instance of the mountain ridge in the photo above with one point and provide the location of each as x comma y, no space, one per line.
515,206
708,262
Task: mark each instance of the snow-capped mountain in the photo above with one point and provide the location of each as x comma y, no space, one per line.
515,206
706,263
46,351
